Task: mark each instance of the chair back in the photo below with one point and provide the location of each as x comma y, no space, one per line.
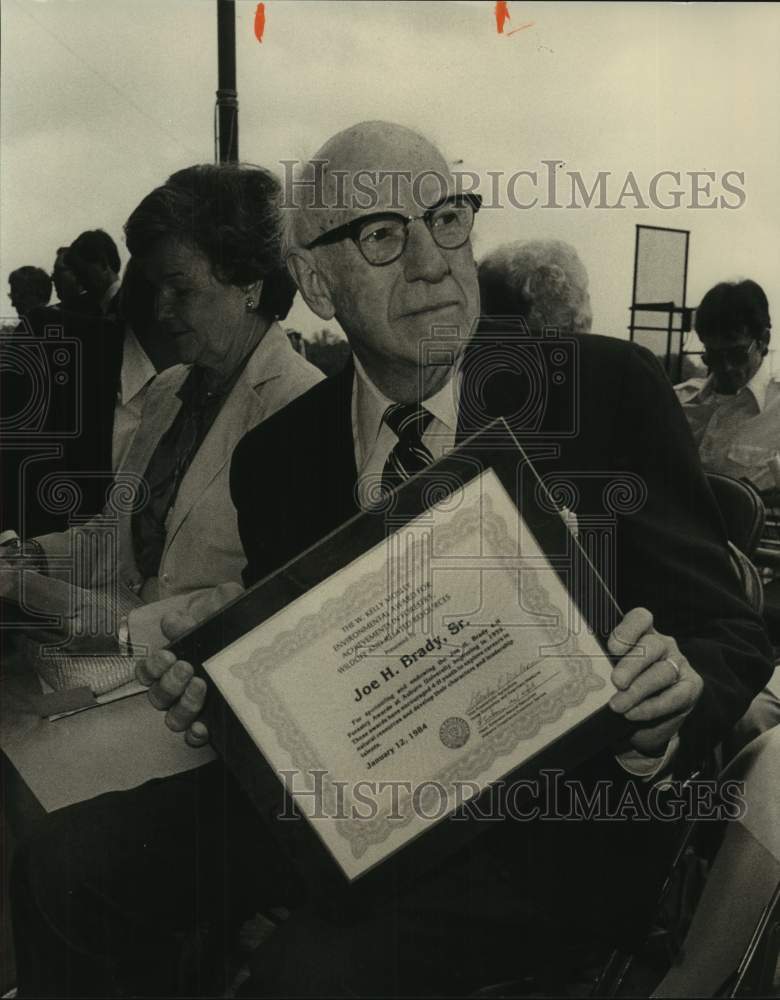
742,510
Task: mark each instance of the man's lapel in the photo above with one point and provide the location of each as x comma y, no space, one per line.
335,460
504,375
485,391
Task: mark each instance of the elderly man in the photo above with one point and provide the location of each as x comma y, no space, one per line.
392,271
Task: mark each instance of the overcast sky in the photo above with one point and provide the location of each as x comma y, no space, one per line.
103,99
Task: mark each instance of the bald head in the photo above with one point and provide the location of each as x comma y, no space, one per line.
369,167
400,278
379,145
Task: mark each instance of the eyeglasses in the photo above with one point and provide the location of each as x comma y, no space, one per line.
728,355
381,237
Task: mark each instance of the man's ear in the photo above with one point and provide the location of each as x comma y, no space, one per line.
311,283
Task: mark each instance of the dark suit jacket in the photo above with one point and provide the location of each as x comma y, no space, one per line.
615,418
81,400
596,412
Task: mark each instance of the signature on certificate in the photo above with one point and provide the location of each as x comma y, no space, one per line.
480,697
508,692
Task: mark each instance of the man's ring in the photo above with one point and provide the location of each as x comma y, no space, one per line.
676,666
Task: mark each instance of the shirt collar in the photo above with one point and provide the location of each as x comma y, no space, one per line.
108,297
137,370
196,394
758,387
372,404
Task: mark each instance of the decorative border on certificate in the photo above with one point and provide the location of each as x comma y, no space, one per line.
475,668
502,714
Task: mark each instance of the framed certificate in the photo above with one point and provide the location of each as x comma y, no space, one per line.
425,653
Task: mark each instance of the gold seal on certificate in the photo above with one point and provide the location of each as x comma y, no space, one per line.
438,660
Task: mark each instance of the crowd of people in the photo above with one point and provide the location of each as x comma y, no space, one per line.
239,456
96,352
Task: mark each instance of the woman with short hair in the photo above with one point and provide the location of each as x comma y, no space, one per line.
210,241
543,281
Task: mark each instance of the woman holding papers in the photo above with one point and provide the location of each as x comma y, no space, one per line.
210,241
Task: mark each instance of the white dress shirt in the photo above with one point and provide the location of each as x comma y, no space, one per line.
109,295
374,440
737,435
136,375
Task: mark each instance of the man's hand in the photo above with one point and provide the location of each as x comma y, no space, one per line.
655,682
172,687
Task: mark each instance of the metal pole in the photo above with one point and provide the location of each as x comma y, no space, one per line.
227,95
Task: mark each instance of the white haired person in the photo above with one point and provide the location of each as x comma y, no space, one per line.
543,281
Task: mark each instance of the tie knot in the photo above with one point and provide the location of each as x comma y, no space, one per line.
407,420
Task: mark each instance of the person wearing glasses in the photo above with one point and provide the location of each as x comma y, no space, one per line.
734,413
400,277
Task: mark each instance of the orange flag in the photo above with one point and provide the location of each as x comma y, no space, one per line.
502,15
260,21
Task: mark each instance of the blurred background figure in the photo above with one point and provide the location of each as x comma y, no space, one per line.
70,292
121,354
144,349
94,259
543,281
111,362
29,288
734,412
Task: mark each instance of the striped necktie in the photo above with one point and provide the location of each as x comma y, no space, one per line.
408,421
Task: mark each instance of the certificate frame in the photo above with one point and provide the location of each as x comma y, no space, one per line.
493,449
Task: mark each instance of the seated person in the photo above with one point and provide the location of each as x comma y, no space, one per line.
106,890
210,241
734,413
543,281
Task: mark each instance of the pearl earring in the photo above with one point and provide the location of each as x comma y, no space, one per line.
250,304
